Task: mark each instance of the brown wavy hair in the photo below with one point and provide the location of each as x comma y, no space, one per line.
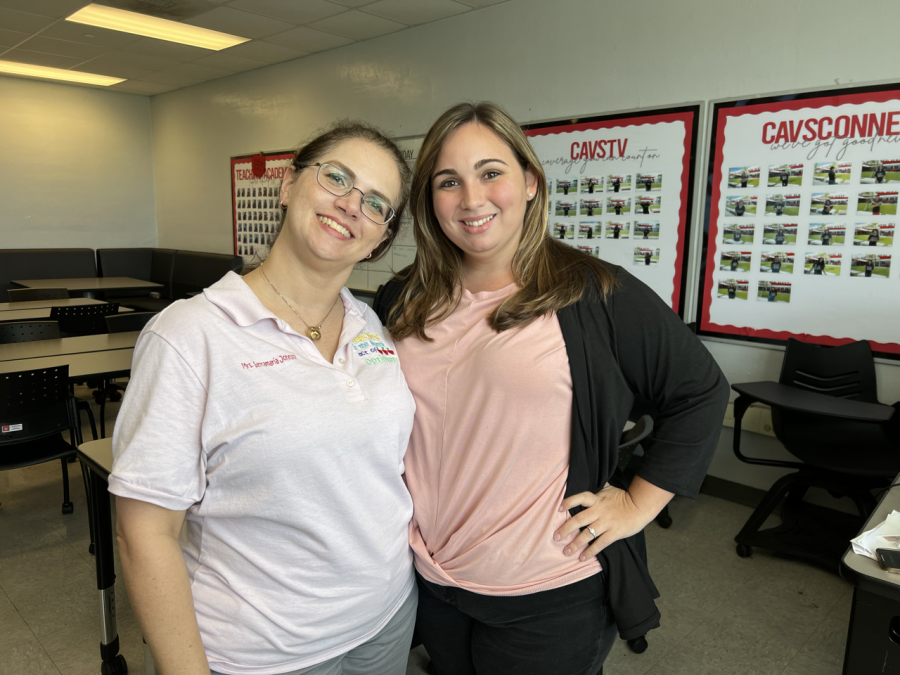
550,275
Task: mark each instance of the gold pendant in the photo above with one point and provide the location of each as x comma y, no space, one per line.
314,332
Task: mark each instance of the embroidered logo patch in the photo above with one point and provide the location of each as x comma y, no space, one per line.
372,349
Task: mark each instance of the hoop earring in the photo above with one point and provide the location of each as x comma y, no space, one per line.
368,256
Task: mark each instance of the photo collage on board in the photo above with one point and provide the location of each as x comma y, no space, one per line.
604,212
258,215
815,218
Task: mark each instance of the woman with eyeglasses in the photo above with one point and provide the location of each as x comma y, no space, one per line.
266,421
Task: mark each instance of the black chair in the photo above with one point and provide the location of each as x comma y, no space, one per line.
28,331
129,321
83,319
26,294
825,412
35,408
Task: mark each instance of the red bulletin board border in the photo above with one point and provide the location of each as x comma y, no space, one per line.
689,115
737,108
245,159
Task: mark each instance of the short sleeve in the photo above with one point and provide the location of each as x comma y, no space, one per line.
157,443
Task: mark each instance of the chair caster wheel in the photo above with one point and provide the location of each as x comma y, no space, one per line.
115,667
68,508
744,551
665,522
638,645
115,396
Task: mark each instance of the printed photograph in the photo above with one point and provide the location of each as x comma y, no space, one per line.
591,184
565,186
646,256
618,182
777,262
738,205
618,229
774,291
593,251
732,261
563,230
647,204
648,182
828,204
646,229
743,177
780,234
870,265
832,173
733,289
566,208
785,175
779,205
877,203
618,205
590,229
591,207
738,233
822,264
873,234
879,171
826,234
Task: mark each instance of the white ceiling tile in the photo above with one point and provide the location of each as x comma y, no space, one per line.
352,3
166,50
136,60
76,32
308,40
414,12
356,25
237,22
113,70
298,13
76,50
196,72
229,62
52,8
22,22
139,87
263,51
11,38
171,79
39,59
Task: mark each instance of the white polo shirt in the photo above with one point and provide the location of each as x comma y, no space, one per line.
290,470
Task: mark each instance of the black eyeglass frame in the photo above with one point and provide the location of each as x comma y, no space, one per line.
362,195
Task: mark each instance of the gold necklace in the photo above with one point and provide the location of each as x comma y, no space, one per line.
314,332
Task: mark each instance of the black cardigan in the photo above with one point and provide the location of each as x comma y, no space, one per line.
632,347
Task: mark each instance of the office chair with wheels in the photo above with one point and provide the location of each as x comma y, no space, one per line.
28,331
26,294
825,412
35,408
83,319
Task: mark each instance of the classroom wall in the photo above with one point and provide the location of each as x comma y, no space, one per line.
541,60
77,167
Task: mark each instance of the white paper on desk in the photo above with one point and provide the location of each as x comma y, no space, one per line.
885,535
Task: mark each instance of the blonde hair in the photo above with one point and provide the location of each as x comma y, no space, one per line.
550,275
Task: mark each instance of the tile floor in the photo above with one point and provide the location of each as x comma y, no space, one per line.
722,614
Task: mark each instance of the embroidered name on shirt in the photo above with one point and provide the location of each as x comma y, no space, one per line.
370,347
271,362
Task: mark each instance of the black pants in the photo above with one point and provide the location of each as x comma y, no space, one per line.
564,631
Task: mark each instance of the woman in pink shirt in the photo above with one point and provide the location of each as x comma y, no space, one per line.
525,357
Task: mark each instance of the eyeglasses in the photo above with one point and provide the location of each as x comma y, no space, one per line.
339,183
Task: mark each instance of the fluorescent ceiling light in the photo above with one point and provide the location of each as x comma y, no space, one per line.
28,70
150,26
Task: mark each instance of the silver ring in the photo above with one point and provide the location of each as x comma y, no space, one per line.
591,530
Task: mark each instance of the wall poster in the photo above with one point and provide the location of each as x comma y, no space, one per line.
255,202
802,213
621,188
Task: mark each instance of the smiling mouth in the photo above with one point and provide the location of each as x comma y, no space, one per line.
336,226
479,222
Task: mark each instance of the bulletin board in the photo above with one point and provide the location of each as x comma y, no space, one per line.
802,211
621,189
255,203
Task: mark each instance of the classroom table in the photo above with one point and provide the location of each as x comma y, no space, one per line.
89,287
96,365
43,304
102,342
41,313
873,636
